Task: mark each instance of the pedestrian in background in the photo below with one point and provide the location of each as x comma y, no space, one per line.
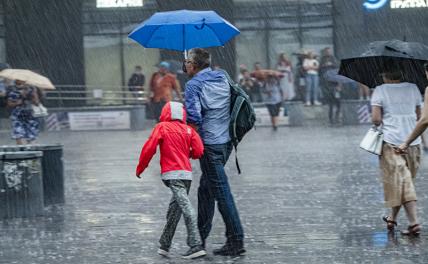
177,142
332,91
136,81
273,97
251,86
287,82
396,106
19,98
208,99
162,84
311,66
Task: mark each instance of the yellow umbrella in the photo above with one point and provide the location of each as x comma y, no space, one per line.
29,77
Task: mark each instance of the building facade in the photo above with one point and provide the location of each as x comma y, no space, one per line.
84,42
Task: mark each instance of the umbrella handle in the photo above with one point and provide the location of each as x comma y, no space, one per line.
185,54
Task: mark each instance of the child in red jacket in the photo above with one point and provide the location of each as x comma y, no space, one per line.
178,142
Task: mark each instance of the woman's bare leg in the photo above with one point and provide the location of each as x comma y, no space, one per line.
410,208
21,141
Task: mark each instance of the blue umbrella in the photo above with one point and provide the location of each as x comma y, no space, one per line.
333,75
183,30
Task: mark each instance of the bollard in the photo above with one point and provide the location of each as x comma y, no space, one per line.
138,118
355,112
295,113
53,170
21,187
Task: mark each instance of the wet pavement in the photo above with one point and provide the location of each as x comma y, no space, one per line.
306,195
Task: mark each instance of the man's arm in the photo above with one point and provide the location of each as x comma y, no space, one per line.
193,105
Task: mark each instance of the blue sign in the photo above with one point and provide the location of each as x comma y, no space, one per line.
374,4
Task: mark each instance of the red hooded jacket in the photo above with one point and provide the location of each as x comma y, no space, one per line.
178,143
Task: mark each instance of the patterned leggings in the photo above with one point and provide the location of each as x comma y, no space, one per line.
180,204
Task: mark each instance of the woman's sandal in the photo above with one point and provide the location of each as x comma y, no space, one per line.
389,223
414,230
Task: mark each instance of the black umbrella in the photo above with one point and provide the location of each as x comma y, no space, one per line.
384,56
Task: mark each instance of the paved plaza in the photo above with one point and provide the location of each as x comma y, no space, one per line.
306,195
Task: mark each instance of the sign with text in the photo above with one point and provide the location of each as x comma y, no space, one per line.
119,3
401,4
106,120
395,4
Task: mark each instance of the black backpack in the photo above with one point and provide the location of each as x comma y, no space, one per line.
242,115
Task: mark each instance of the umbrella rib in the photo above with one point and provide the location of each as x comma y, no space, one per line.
184,37
151,35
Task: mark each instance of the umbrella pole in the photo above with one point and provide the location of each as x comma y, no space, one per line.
185,54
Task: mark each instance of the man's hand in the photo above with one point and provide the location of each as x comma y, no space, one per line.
402,149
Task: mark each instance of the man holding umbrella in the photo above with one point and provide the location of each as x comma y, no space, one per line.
207,98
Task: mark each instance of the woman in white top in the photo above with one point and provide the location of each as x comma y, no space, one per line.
286,82
311,66
396,106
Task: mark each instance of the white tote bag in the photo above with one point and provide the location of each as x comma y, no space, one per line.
39,110
373,141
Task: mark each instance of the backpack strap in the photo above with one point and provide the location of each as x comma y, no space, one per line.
236,158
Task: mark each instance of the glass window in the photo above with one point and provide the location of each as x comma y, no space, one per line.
283,41
2,50
135,54
102,65
317,39
250,48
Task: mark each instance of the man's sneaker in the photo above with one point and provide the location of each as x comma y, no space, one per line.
317,103
163,252
228,250
195,252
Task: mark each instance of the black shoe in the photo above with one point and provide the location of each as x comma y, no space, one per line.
195,252
229,250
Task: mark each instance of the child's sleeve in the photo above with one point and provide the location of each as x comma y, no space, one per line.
196,145
149,150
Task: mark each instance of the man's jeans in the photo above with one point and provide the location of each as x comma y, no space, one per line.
312,87
214,186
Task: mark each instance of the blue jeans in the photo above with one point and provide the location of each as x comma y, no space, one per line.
312,87
213,187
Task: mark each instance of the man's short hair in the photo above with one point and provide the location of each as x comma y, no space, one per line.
393,75
200,57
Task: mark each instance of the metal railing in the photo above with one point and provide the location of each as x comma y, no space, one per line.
94,95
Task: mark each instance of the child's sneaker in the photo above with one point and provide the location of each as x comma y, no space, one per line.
163,252
195,252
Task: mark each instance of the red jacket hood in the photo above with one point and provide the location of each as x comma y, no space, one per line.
173,111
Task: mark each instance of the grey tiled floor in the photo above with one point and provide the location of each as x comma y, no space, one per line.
306,195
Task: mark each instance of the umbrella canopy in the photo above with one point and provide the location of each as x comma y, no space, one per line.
333,75
384,56
182,30
29,77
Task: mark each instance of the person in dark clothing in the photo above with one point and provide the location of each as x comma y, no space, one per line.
251,86
331,90
136,82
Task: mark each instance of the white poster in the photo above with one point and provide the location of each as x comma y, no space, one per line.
106,120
